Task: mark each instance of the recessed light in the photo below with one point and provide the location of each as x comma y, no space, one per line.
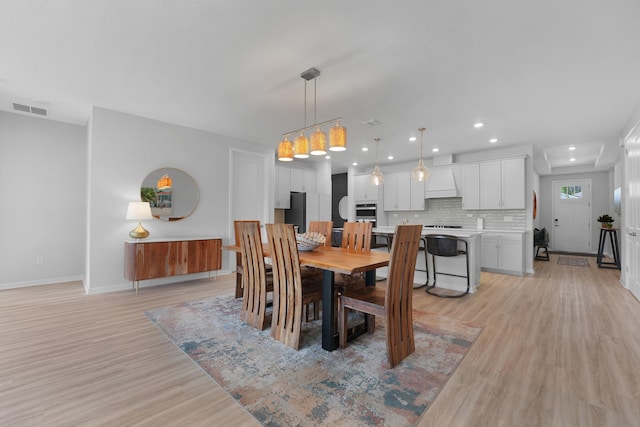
493,140
365,149
390,157
327,157
478,125
573,147
354,163
573,159
413,138
435,150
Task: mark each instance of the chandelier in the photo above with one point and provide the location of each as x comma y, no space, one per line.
377,177
301,147
420,173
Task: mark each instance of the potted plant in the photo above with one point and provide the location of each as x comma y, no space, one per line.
606,221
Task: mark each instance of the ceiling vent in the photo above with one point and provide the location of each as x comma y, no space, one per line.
28,109
371,123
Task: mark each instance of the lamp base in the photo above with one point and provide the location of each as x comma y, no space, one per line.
139,232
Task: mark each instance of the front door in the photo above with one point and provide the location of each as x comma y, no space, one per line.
571,231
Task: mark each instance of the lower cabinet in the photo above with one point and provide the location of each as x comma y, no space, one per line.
153,259
503,252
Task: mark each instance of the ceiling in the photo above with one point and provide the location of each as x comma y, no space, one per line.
548,74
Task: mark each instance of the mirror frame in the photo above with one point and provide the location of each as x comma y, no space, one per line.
188,193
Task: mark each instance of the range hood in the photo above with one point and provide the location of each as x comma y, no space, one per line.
441,183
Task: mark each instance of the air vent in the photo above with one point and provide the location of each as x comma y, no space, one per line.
372,122
28,109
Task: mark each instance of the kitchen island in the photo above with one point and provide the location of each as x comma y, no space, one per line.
453,265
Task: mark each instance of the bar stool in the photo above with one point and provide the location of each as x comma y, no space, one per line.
447,246
613,236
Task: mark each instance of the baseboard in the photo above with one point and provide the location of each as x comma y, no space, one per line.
40,282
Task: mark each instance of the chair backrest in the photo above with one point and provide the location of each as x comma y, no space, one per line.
254,278
357,236
286,319
398,297
236,228
323,227
443,245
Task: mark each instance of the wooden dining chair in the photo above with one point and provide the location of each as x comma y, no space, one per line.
239,267
290,291
356,236
256,282
323,227
394,302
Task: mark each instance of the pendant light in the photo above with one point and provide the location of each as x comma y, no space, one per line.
420,173
317,144
377,177
165,182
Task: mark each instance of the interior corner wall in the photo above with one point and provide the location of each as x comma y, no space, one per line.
43,171
123,150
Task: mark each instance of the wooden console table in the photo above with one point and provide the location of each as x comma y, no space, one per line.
155,258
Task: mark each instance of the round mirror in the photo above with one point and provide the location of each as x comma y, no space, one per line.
343,207
172,194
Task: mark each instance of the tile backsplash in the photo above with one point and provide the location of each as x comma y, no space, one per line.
448,211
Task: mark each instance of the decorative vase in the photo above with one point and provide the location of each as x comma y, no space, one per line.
607,225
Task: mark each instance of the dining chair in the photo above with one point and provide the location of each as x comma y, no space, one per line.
256,282
290,291
323,227
326,229
393,302
239,267
355,236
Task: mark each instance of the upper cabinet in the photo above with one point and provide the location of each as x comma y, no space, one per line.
495,184
303,180
401,193
363,190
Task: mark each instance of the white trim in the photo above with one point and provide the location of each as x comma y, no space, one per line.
40,282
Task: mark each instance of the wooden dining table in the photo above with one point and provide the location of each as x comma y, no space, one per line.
331,261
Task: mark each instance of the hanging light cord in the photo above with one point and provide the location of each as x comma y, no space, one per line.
377,143
421,133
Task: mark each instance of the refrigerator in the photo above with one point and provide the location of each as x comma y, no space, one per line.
297,212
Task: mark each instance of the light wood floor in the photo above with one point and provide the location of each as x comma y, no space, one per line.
561,348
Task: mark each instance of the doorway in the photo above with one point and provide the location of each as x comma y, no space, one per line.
571,206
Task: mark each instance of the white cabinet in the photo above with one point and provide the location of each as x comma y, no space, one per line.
502,184
471,186
283,188
401,193
496,184
397,192
303,180
503,251
363,190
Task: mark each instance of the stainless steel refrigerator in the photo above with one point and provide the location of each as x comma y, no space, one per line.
297,213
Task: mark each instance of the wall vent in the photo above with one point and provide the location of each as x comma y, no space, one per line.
28,109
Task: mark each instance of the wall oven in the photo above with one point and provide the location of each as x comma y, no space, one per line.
366,212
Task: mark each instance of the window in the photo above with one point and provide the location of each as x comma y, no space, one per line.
571,192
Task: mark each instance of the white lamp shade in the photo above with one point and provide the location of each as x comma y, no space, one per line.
139,211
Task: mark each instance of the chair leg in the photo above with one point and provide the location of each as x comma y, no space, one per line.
371,323
238,285
342,324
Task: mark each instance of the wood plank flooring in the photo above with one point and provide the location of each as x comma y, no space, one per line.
559,348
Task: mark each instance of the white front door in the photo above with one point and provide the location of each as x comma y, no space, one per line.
631,204
571,231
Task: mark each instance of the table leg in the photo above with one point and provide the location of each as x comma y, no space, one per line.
328,310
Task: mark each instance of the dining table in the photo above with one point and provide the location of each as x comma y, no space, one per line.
332,260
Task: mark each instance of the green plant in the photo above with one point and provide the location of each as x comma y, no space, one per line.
605,219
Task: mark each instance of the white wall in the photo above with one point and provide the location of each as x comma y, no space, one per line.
123,150
43,175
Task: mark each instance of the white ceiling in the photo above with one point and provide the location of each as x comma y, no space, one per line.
547,73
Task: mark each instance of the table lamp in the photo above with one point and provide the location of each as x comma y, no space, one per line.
139,211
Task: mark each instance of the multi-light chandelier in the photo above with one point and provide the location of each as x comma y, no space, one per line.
420,173
377,177
299,148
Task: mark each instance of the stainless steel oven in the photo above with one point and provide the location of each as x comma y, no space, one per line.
366,212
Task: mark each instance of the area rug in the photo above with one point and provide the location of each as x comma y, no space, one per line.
569,260
284,387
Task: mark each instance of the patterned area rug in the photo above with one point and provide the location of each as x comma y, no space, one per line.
569,260
283,387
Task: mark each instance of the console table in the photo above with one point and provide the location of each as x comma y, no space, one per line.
155,258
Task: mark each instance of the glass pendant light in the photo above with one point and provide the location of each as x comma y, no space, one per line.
377,177
420,173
